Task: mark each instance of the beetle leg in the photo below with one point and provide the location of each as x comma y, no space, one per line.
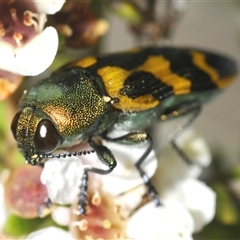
107,158
134,138
151,189
193,109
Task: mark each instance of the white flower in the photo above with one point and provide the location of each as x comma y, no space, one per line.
169,221
50,233
197,197
61,215
126,176
34,57
62,179
176,180
131,199
49,6
27,47
172,167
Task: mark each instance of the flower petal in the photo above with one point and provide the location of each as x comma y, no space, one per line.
170,221
131,199
7,57
195,147
62,179
49,6
197,197
172,168
36,56
50,233
61,215
126,176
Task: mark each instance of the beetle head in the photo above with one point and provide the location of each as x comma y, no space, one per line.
35,134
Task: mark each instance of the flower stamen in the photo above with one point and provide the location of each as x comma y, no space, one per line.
2,30
107,224
13,12
28,19
96,199
17,36
82,225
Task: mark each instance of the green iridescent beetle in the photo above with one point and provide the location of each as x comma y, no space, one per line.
123,91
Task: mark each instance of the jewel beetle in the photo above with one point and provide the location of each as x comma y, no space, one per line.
122,91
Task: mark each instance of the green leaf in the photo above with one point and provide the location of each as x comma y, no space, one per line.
3,121
226,211
236,172
17,227
216,230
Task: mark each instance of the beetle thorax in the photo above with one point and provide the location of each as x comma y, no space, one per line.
77,109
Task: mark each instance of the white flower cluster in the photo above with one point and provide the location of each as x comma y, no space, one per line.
28,48
187,203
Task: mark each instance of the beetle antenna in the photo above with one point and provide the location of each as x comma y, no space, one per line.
64,155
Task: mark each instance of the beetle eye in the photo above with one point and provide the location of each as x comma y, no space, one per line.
14,124
46,137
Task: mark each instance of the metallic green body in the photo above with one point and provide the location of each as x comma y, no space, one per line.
96,95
